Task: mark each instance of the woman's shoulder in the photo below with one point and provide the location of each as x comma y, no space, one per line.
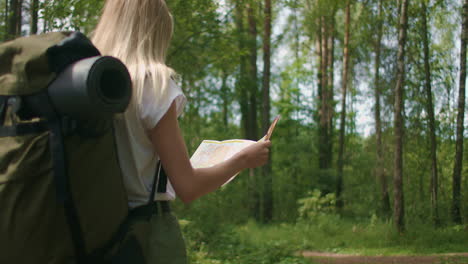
154,104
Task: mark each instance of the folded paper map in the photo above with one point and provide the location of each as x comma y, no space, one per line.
212,152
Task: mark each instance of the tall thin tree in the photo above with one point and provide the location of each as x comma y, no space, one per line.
13,18
324,43
267,175
224,98
331,75
5,22
430,111
34,6
344,86
379,168
457,169
398,210
241,78
19,17
252,71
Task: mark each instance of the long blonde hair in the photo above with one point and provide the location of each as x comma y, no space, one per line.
137,32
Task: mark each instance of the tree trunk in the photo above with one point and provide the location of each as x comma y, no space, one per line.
339,184
13,17
244,82
267,175
398,211
240,82
253,87
457,169
225,99
430,111
382,178
252,90
5,21
318,48
34,16
325,94
19,16
330,86
331,73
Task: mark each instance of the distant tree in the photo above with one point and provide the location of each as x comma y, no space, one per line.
245,87
267,177
14,22
398,211
252,86
430,111
325,16
457,169
344,84
4,23
379,168
225,98
33,9
241,84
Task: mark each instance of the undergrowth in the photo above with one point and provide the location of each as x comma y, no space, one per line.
282,243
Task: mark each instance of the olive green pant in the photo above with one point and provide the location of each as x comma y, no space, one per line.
165,242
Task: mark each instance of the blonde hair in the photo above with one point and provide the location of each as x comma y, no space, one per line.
137,32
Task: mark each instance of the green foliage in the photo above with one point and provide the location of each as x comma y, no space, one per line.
315,204
70,15
246,244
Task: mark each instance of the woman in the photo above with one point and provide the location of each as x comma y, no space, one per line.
138,32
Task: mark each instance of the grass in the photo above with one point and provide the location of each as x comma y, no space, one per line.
279,243
332,234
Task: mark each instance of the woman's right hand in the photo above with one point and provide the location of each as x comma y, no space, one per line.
255,155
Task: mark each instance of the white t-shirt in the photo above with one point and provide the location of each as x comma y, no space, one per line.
137,156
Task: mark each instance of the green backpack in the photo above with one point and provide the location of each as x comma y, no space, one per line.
62,198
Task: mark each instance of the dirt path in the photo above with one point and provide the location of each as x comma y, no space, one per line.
331,258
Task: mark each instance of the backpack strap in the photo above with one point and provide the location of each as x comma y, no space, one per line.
118,237
42,103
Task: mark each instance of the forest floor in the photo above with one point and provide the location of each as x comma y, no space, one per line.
333,258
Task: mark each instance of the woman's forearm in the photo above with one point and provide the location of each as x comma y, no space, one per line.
206,180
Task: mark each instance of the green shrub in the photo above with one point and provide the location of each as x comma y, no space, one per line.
315,204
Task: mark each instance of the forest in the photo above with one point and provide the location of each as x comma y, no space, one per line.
370,154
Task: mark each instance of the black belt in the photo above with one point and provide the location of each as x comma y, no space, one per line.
147,210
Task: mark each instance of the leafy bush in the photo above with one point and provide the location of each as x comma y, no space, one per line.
315,204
